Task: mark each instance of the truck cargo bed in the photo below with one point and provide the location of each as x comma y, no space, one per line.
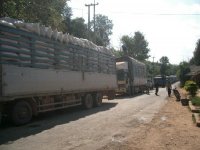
18,81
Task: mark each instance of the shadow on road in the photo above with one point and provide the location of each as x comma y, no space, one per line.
8,133
125,96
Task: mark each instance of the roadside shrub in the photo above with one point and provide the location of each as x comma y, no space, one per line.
191,87
195,101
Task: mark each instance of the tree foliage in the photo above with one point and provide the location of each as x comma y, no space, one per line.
103,29
196,54
136,46
182,71
172,69
57,14
164,61
47,12
154,68
116,53
78,28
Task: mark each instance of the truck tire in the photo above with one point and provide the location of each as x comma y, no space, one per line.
88,101
98,99
21,113
130,91
111,95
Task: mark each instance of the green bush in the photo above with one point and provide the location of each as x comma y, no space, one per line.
195,101
191,87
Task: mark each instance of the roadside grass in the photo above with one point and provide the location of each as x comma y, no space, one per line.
195,101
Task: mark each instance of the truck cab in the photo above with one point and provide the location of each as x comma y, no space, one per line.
122,77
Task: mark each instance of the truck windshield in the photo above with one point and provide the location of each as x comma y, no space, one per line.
121,75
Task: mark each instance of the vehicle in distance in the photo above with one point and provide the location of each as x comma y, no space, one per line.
131,76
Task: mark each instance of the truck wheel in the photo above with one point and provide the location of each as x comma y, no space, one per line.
133,91
111,95
98,99
88,101
21,113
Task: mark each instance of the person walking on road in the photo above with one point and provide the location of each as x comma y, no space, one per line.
147,87
157,88
169,88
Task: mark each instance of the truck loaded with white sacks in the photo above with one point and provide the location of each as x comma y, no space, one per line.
43,70
131,76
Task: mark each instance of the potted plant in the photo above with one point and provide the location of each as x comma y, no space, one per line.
185,102
191,87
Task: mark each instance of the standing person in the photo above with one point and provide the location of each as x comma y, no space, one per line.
169,88
156,86
147,86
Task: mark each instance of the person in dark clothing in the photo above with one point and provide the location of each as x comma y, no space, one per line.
169,88
157,88
177,94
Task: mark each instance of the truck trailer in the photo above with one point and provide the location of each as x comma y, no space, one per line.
160,80
131,76
42,71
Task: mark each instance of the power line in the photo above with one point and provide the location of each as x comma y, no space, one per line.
156,14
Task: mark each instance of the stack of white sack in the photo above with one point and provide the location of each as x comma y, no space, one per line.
47,32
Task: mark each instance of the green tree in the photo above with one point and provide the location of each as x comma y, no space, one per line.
116,53
78,28
153,68
47,12
150,68
103,29
156,69
196,54
13,8
137,46
164,61
128,46
182,71
172,69
66,23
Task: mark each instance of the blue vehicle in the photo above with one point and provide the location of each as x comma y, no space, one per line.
172,78
160,80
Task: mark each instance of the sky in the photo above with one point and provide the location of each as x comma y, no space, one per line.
171,27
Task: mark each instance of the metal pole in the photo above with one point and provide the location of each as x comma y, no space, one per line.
94,16
94,20
88,16
88,5
153,66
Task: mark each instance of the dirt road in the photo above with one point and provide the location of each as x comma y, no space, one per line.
111,126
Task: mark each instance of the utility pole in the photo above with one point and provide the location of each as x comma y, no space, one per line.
94,12
88,5
94,20
153,65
